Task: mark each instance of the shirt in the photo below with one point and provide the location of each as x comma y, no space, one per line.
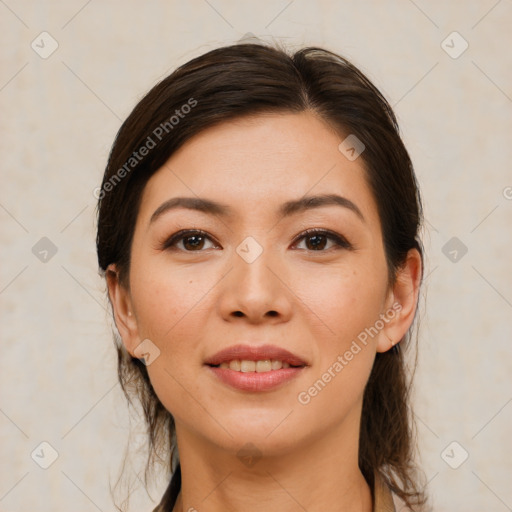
384,500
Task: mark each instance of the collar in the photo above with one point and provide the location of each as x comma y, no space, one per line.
382,497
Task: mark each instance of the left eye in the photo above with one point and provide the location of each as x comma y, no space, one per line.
316,240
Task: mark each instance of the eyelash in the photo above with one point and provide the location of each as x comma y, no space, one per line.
340,241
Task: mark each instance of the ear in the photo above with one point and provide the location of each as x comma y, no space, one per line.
124,315
401,302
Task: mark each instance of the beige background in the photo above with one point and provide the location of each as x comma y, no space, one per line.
59,117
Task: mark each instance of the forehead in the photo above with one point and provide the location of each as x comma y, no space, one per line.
257,163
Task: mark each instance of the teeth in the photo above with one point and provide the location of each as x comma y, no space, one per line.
234,365
276,365
247,366
262,366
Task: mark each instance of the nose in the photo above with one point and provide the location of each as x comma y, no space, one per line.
256,290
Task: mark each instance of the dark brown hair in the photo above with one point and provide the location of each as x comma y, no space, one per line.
248,79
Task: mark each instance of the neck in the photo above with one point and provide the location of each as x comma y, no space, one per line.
322,475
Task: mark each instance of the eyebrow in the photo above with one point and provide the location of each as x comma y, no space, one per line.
286,209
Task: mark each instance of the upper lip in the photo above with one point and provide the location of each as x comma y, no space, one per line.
255,353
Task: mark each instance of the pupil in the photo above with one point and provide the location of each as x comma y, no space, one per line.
196,244
318,243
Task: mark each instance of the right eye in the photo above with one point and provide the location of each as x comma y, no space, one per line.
192,240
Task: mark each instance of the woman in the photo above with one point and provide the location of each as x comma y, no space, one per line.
258,231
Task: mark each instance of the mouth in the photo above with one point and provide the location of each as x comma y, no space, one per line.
256,369
259,366
249,358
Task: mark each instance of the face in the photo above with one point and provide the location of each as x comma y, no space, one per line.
250,275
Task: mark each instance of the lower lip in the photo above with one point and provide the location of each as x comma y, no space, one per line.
255,381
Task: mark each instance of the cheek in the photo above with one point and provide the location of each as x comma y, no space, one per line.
347,299
170,307
348,302
166,296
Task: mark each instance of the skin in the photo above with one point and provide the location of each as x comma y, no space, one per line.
193,304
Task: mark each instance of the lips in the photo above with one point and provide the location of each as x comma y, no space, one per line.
251,353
